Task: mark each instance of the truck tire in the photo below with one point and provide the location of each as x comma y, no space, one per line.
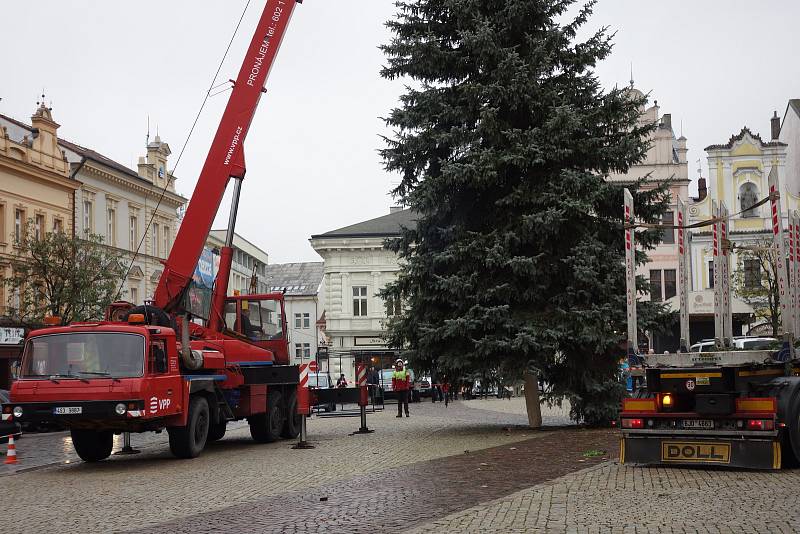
217,431
790,444
291,426
266,427
92,445
190,440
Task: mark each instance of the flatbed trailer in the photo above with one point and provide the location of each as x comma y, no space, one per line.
729,408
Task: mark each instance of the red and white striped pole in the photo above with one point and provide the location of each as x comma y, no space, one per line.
303,406
361,381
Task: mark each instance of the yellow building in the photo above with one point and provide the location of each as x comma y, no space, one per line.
737,176
35,183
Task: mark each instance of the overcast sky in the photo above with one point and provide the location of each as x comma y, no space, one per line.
716,65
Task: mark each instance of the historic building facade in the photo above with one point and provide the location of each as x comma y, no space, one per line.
35,187
302,287
135,212
738,178
248,266
665,160
357,267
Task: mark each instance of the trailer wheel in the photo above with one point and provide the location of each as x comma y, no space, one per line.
291,427
266,427
188,441
790,448
217,431
92,445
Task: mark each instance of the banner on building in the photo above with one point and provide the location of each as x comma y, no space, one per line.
199,294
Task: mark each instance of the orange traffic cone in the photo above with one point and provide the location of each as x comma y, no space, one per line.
11,453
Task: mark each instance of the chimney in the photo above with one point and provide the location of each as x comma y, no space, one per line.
702,190
775,122
666,120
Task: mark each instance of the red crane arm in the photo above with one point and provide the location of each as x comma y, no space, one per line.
225,158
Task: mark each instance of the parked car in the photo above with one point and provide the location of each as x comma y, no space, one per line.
424,386
8,428
321,381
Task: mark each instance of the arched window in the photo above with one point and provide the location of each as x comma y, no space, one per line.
748,195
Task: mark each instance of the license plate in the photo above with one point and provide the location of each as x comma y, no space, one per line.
694,451
701,424
67,410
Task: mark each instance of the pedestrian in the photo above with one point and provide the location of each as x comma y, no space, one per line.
446,392
341,382
401,383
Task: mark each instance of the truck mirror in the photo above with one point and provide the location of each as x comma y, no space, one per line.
160,359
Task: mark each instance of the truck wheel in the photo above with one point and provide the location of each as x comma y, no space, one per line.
188,441
266,427
92,445
790,444
291,427
217,431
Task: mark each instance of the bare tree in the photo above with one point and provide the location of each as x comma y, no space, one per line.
755,281
61,275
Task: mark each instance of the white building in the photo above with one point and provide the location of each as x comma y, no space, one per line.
357,267
249,263
665,160
302,286
789,133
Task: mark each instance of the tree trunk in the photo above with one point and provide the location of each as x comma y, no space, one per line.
532,400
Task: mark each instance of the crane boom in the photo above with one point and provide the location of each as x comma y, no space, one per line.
225,159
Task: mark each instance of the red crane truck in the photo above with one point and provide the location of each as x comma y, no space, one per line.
149,367
727,407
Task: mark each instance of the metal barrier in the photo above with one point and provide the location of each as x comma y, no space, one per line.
356,395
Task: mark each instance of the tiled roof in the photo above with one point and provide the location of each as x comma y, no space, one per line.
295,278
87,153
740,136
386,226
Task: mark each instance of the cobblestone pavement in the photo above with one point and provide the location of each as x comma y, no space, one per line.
138,491
625,499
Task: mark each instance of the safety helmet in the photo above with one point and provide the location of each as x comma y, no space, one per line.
398,361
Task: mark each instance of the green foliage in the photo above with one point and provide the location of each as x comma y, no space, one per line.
503,145
61,275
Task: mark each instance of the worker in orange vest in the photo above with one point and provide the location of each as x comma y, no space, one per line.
401,383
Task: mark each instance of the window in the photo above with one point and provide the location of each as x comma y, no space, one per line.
392,307
670,287
297,320
668,235
19,225
752,274
87,216
748,196
134,232
3,235
134,295
58,226
111,226
655,285
166,240
156,250
711,274
306,320
306,350
298,350
38,226
360,301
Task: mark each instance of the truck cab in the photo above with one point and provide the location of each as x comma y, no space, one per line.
123,375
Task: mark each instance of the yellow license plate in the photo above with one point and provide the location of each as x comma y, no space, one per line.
695,451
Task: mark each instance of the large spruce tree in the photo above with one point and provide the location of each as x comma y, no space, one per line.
504,139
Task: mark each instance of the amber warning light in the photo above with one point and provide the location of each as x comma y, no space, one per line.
52,321
136,318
